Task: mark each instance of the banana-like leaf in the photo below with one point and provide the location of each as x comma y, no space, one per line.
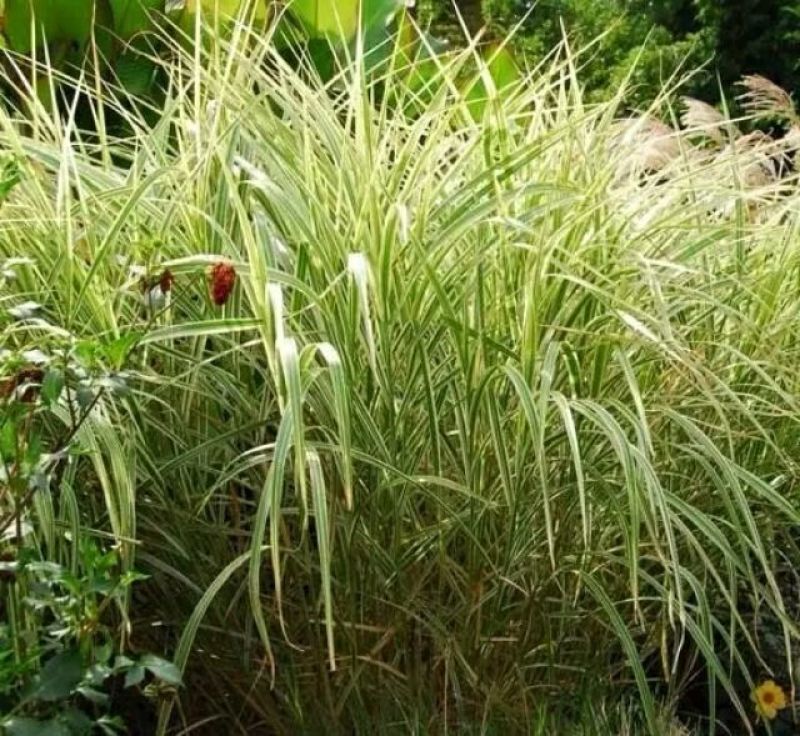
135,16
500,75
337,18
54,20
135,72
340,18
220,11
225,8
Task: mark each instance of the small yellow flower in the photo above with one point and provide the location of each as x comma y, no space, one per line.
769,699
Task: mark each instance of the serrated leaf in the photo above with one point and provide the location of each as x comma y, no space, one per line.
132,576
87,350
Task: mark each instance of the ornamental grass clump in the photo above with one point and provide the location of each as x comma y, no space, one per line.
495,421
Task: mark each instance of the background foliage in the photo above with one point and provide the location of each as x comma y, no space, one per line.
737,36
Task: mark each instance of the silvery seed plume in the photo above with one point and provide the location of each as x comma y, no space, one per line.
699,116
653,144
763,97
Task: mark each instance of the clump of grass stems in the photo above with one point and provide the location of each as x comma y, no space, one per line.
493,418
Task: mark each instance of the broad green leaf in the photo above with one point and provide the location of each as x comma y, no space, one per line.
85,396
33,727
66,27
79,723
220,7
382,30
340,18
220,10
10,176
95,696
379,13
337,18
54,19
134,676
135,16
117,350
499,75
52,386
419,57
8,440
136,73
99,672
162,669
322,55
33,451
59,677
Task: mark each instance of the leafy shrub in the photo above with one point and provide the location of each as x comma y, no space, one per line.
58,667
63,600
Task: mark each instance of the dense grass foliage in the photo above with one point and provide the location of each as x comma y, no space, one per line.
497,422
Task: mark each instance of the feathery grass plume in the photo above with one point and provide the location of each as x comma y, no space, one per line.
791,143
764,98
649,144
700,117
756,152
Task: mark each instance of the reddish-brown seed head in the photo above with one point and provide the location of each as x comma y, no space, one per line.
166,281
221,280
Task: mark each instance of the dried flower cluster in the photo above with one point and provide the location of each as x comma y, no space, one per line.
26,383
221,280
